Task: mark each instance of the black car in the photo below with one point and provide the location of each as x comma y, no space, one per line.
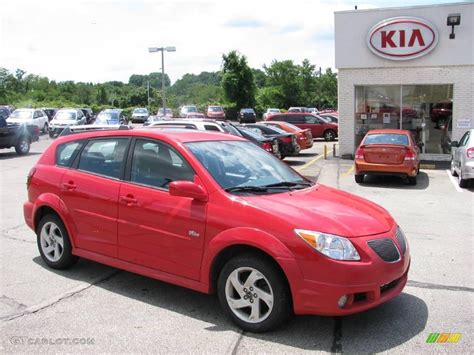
247,115
50,112
266,143
287,142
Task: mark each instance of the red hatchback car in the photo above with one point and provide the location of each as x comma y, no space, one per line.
388,152
320,127
214,213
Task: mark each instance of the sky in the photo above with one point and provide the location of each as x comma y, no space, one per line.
103,40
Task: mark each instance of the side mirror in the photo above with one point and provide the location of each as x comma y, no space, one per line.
188,189
455,144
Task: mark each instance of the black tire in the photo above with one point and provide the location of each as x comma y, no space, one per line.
282,305
22,147
51,133
329,135
67,259
359,178
463,183
45,128
411,180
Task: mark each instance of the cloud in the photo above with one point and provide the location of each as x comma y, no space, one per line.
244,22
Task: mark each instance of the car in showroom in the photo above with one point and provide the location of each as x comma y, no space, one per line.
140,114
462,158
214,213
66,117
320,127
388,152
304,136
287,142
30,117
215,112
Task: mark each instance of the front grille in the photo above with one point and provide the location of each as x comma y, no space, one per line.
385,248
401,240
389,286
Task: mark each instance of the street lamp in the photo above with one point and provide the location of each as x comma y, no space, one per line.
162,50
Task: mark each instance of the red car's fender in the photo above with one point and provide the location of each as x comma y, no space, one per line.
53,201
253,238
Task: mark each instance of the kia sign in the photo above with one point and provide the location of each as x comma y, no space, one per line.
402,38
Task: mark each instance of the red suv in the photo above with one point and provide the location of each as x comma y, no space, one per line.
217,214
320,127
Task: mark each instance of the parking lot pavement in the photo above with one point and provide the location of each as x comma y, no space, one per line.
107,310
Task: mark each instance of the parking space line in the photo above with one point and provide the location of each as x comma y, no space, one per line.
311,162
348,172
453,181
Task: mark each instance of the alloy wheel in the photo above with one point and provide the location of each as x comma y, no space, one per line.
52,241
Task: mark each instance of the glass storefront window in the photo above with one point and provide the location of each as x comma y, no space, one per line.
425,110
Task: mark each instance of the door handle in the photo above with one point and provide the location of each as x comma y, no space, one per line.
70,185
129,200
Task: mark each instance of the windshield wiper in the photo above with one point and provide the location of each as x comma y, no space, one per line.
246,189
288,184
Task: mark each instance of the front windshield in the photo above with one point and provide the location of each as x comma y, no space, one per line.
190,109
22,114
65,115
240,164
140,110
215,108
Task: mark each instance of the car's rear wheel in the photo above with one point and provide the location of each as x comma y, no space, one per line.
329,135
22,147
45,128
463,182
359,178
254,293
453,170
53,243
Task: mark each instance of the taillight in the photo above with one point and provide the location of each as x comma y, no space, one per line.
30,176
267,146
470,152
360,153
286,139
410,155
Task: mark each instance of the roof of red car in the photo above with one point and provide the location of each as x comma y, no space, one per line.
182,135
388,131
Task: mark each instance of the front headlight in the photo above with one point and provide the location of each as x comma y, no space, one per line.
332,246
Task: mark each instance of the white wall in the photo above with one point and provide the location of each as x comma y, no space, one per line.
352,27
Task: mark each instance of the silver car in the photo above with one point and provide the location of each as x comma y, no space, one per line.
462,160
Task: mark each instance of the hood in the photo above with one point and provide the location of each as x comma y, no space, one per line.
327,210
63,122
20,120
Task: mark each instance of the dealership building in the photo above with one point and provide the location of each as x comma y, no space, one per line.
406,68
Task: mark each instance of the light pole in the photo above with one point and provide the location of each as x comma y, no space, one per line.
162,50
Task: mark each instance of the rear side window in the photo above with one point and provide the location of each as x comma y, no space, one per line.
398,139
66,153
104,157
211,128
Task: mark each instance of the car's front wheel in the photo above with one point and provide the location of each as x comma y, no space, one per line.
53,243
22,147
329,135
463,182
254,293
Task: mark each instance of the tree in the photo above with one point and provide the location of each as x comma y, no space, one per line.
102,95
237,80
283,76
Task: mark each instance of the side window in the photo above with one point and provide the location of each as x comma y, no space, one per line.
104,157
36,114
211,128
296,119
156,164
66,153
79,114
311,119
464,139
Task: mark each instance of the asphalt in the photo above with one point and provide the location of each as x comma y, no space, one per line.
111,311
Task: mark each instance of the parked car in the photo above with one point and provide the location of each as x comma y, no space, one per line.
110,117
388,152
154,119
290,246
313,110
89,114
140,114
216,112
168,114
199,124
19,136
287,142
304,136
270,111
50,112
66,117
462,158
195,115
320,128
187,109
247,115
331,117
5,111
298,109
30,116
267,143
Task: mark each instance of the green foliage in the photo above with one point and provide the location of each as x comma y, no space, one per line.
237,80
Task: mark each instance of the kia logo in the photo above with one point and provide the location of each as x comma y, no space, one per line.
402,38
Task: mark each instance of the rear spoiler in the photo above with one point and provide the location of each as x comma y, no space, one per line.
87,128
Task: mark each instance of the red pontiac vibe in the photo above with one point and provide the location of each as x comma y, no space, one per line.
217,214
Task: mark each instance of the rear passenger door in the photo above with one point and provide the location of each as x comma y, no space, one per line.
90,192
